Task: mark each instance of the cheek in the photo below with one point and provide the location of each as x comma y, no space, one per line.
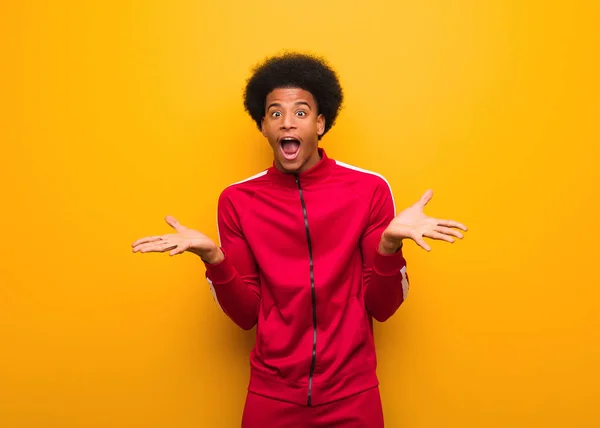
272,138
268,131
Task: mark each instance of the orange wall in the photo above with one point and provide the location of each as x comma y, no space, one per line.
118,113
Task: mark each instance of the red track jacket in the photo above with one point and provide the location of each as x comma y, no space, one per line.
302,264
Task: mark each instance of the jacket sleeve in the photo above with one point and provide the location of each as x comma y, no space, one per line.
234,281
385,278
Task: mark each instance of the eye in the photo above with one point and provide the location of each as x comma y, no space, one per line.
276,114
301,113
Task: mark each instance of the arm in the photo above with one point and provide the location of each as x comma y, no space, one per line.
233,273
384,266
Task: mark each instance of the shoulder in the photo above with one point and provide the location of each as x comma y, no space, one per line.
371,185
371,180
245,187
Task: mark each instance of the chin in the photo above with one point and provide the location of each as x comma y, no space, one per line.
291,167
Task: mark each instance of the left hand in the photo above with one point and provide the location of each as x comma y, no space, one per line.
413,224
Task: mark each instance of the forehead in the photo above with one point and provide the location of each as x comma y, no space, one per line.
289,96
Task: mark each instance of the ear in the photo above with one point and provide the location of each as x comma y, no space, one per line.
262,127
320,125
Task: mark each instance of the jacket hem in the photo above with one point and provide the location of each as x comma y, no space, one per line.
322,393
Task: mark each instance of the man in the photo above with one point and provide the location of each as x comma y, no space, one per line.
310,252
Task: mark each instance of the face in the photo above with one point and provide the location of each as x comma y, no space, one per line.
292,126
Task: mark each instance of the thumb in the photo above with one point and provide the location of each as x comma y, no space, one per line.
172,221
425,198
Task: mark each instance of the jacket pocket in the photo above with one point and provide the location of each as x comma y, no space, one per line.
262,329
346,347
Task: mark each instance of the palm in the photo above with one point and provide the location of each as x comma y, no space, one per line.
184,239
412,223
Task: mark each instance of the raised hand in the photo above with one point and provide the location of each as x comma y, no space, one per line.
413,224
184,239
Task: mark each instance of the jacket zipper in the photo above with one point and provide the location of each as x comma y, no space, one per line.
314,298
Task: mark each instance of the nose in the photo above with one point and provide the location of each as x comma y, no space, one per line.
287,122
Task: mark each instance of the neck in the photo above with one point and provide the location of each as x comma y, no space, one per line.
313,160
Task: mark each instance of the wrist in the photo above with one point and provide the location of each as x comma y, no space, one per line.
389,246
211,257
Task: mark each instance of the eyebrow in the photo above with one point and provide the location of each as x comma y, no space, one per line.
296,103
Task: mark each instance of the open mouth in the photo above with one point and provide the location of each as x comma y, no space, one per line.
290,147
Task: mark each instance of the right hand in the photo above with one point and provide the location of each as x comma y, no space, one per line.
185,239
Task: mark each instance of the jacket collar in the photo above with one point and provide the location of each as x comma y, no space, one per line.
313,175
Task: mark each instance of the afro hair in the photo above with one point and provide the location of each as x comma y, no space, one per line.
294,70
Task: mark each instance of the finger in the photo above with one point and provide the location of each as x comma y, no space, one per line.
449,231
425,198
145,240
451,223
157,248
421,243
137,247
178,250
172,221
439,236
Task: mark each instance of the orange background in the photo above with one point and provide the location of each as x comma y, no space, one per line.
117,113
